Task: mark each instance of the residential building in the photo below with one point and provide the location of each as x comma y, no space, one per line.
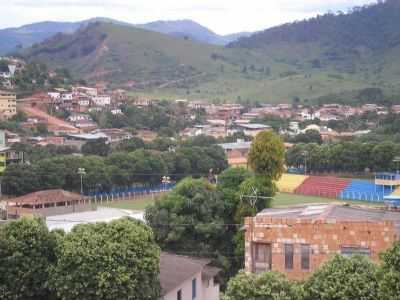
8,104
236,153
187,278
101,100
253,129
297,240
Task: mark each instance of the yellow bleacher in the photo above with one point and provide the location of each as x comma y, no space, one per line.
396,192
288,183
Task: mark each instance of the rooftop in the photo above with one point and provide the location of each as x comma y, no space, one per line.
102,214
332,211
254,126
236,146
47,196
176,269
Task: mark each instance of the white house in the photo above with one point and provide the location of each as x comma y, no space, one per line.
187,278
101,100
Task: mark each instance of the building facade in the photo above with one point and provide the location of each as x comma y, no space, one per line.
297,240
8,105
187,278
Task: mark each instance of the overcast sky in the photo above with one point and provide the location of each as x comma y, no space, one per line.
222,16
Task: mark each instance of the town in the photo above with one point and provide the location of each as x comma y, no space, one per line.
192,169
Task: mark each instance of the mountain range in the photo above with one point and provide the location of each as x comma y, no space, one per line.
326,56
12,39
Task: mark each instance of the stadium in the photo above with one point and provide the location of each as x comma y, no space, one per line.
385,188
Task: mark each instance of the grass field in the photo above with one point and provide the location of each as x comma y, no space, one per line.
283,199
280,200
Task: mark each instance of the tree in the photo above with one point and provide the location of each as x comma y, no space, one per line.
191,220
20,179
390,274
256,194
131,145
343,278
96,147
267,285
267,155
310,136
27,250
118,260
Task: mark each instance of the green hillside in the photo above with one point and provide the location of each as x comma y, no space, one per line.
272,66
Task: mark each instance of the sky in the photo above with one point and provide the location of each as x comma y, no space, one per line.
221,16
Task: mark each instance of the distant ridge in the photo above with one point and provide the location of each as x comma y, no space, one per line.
13,39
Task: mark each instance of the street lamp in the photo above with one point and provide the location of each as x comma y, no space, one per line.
165,180
81,172
305,153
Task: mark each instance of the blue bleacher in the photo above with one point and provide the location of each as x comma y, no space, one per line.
365,190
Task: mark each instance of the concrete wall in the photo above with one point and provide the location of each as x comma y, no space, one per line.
210,290
325,237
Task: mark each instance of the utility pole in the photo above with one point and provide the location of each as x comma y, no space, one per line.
81,172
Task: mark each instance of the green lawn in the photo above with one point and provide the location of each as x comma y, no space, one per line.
281,199
137,204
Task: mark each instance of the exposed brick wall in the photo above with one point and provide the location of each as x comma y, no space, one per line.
325,237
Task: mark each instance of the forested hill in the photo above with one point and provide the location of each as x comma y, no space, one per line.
374,27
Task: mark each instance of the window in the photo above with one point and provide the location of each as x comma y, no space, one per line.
194,291
262,257
289,256
305,257
179,295
355,250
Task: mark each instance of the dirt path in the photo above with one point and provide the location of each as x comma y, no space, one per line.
53,122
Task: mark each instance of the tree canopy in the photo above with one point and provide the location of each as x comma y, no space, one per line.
27,250
118,260
267,155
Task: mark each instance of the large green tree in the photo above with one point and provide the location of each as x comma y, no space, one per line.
390,274
119,260
27,250
269,285
343,278
195,219
267,155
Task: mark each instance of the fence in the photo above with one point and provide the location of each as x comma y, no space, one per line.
128,193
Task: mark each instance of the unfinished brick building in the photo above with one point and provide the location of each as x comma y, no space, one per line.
297,240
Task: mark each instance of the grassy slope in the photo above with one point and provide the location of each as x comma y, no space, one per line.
167,67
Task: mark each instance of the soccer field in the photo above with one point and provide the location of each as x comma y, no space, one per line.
281,199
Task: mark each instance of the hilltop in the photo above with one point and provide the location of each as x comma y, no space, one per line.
331,56
13,39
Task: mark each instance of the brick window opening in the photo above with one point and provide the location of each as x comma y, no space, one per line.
305,256
262,257
355,250
289,252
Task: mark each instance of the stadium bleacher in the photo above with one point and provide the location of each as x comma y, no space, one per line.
365,190
288,183
329,187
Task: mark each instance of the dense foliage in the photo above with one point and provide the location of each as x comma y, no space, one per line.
267,154
344,156
49,169
118,260
27,250
390,273
268,285
343,278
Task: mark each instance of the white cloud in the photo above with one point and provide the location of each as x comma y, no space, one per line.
222,16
